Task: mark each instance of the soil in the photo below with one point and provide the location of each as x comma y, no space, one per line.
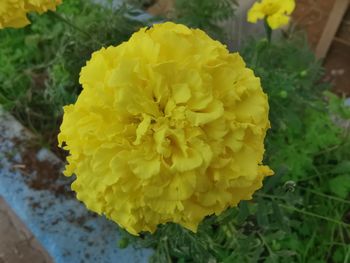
51,138
47,176
42,175
312,16
337,65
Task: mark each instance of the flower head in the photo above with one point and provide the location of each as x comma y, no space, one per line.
276,11
13,13
169,127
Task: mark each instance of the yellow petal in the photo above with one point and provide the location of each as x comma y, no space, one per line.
277,20
255,13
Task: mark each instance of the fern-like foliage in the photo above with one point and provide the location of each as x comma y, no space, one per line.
205,14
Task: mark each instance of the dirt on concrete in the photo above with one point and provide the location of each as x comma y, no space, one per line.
45,174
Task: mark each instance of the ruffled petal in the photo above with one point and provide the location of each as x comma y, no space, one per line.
255,13
277,20
169,127
13,13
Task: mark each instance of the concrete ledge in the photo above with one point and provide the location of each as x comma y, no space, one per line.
31,184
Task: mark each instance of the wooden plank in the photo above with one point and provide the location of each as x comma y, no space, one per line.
17,243
343,41
331,28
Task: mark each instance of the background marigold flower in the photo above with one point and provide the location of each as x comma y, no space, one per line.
13,13
276,11
169,127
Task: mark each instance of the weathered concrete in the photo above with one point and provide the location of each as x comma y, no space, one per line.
60,223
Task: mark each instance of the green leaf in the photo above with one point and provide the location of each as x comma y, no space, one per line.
261,215
342,168
123,243
278,216
32,40
340,185
243,212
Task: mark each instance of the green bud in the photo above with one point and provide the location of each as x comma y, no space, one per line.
123,243
283,94
303,73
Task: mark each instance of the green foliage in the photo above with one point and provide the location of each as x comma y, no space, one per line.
205,14
340,185
300,116
302,213
298,216
40,64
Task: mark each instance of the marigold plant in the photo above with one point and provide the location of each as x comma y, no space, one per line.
13,13
276,12
169,127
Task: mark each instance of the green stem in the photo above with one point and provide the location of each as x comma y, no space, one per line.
63,19
292,208
325,195
268,30
267,247
270,196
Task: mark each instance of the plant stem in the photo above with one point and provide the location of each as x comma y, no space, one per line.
58,16
270,196
314,215
268,30
325,195
304,212
267,247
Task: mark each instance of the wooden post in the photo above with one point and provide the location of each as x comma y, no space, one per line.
333,23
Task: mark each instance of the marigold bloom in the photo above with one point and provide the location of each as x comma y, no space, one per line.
169,127
13,13
276,11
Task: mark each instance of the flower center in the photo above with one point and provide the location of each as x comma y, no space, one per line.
271,8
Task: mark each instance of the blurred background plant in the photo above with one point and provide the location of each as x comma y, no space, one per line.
302,214
40,63
205,14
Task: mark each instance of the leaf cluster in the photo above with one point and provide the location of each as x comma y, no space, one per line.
205,14
302,212
40,63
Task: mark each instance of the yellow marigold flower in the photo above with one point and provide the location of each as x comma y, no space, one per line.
169,127
13,13
276,11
